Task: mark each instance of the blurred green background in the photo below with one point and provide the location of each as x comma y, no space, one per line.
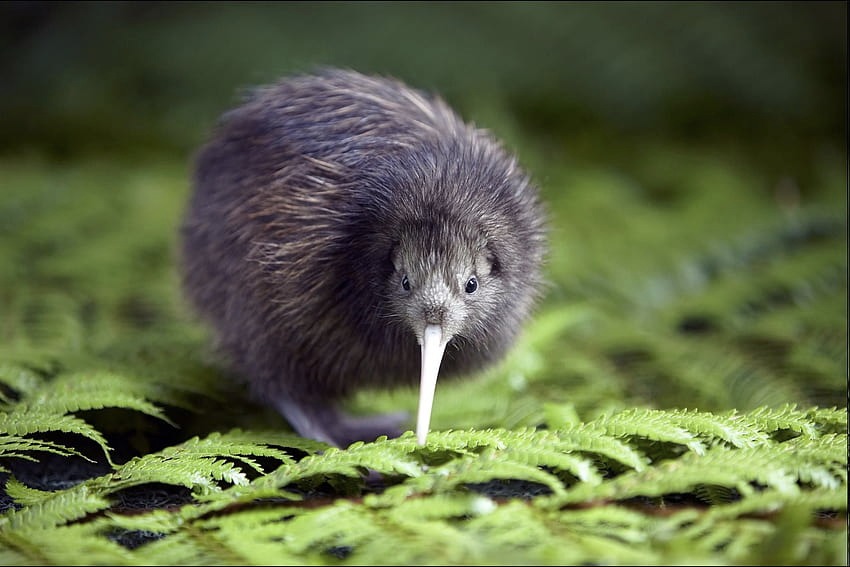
124,75
692,156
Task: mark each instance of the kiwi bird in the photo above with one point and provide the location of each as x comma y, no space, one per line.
347,231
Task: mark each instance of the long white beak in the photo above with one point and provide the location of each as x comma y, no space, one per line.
433,346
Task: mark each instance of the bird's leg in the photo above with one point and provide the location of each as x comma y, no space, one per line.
325,421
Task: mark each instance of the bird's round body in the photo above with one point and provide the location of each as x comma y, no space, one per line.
334,218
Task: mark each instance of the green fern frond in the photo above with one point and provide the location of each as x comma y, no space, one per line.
423,522
587,438
730,427
253,536
68,393
25,420
394,456
767,465
490,465
443,506
617,522
536,448
348,529
327,526
654,425
743,526
189,547
52,546
199,464
12,446
716,494
770,501
255,440
518,533
197,473
238,445
24,495
58,509
829,420
153,521
788,417
332,462
822,461
200,468
48,406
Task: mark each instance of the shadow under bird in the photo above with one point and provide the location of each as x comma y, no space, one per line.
347,231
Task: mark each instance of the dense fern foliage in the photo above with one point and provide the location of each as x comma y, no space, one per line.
122,441
679,397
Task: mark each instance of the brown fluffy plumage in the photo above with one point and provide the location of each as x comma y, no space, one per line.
333,216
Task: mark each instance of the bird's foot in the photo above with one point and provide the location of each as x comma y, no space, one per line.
327,422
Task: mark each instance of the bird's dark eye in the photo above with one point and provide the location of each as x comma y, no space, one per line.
405,283
471,284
